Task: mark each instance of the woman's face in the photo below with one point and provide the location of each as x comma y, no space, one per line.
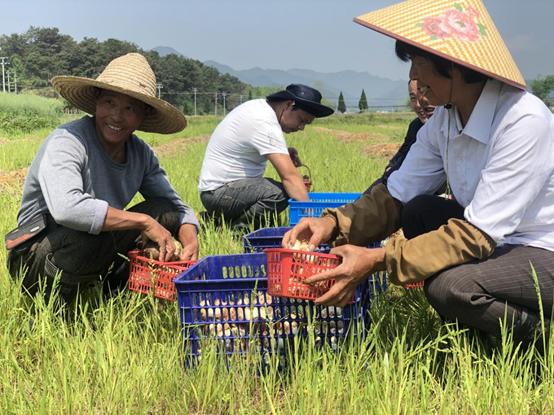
433,86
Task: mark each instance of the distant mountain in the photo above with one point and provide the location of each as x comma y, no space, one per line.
166,50
379,91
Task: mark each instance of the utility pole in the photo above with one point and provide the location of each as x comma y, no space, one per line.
224,94
3,63
194,92
160,86
9,87
15,81
240,99
215,103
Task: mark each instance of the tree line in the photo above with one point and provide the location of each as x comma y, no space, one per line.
42,53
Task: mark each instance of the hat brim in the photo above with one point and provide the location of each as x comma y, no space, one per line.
438,53
460,32
317,110
81,92
313,108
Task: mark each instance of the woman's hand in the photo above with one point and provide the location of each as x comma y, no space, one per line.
314,230
357,264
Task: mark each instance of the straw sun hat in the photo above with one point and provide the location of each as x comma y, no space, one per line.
131,75
460,31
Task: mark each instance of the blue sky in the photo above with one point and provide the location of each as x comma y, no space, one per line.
277,34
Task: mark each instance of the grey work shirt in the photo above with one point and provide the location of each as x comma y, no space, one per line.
74,179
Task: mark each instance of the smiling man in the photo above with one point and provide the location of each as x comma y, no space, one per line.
72,223
231,181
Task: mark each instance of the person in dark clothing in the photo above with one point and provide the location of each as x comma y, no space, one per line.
423,109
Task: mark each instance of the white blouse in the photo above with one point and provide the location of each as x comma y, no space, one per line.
500,166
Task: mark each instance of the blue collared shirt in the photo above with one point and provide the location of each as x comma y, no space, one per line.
500,167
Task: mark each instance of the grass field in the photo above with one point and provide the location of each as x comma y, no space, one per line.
126,355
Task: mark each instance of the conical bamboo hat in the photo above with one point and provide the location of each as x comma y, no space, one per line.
460,31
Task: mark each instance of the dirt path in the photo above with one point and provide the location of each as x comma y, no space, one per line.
378,148
179,145
10,180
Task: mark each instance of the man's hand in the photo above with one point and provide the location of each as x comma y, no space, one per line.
162,237
189,240
314,230
357,264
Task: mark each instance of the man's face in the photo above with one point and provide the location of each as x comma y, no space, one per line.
294,119
419,102
117,116
425,108
412,91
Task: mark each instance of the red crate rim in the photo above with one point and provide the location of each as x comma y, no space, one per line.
286,272
298,251
135,255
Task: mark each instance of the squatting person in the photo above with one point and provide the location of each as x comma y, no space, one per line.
493,143
424,110
231,182
72,216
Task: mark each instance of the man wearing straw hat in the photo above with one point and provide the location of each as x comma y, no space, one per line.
72,223
482,253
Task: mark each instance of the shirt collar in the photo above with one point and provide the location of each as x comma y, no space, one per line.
480,121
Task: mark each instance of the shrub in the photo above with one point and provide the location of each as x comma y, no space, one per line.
25,113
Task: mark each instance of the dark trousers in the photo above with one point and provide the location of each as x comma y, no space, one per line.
481,294
81,259
247,201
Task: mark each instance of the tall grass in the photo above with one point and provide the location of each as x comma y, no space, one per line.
125,355
24,113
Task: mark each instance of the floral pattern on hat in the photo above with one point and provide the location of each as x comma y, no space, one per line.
456,22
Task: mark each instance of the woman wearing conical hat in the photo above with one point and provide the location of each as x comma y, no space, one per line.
493,143
72,223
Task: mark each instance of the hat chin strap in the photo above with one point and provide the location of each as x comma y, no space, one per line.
449,104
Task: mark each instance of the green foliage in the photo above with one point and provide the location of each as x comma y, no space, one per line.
262,91
341,107
25,113
41,53
542,86
362,103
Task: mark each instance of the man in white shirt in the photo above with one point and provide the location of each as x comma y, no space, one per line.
481,252
231,180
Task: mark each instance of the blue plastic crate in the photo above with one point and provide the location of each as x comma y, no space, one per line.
318,201
264,238
225,297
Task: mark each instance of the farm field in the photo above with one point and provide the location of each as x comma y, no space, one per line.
125,355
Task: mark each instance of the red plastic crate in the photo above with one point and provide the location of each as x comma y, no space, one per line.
151,276
288,268
418,284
